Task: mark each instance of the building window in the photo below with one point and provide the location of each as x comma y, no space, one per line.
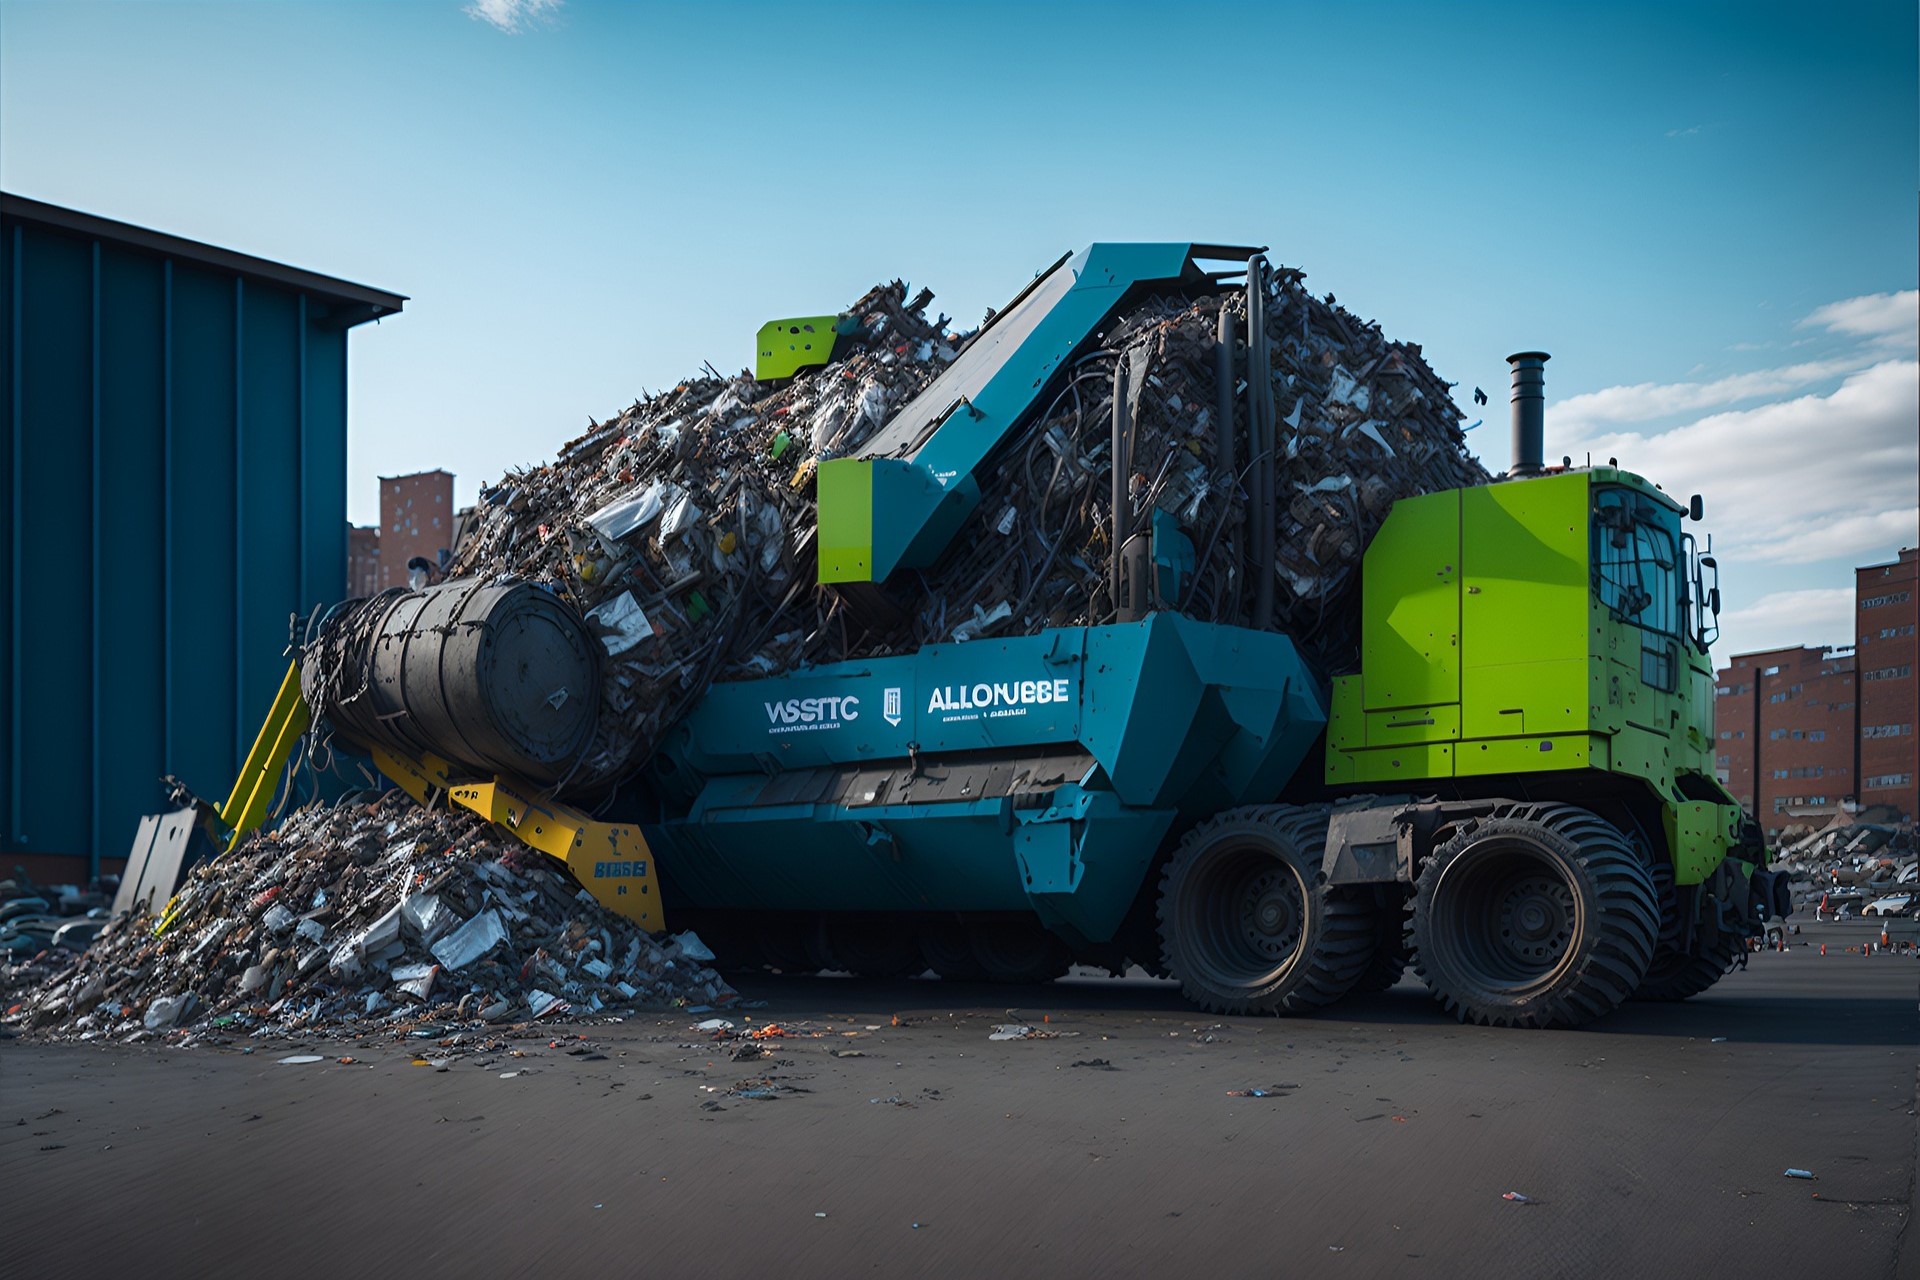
1724,760
1781,773
1886,730
1881,781
1817,735
1770,671
1892,597
1900,672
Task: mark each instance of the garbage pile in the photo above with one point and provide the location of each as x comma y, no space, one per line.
351,919
683,528
43,930
1855,862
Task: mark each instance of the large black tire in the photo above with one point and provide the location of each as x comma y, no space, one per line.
1244,924
948,951
1676,974
793,944
1018,951
874,947
1540,916
1392,950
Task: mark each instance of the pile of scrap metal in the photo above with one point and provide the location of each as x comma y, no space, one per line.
684,528
358,919
1852,861
43,928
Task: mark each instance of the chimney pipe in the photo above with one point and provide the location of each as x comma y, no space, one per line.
1529,399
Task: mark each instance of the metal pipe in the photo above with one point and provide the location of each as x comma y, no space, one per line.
1225,431
1224,338
1529,399
1122,466
1260,433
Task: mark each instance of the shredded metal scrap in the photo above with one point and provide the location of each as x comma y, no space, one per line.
361,918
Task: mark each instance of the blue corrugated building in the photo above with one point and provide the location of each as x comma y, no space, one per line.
174,490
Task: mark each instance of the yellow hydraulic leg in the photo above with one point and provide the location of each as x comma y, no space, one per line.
246,808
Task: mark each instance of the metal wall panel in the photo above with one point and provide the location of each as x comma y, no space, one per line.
174,483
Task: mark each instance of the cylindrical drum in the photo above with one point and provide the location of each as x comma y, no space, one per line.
498,677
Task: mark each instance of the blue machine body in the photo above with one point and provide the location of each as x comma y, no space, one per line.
1035,773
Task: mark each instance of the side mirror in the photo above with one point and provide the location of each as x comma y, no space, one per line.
1696,509
1713,600
1708,562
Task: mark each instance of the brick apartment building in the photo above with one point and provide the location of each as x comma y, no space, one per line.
1799,731
1784,728
416,519
1886,601
363,560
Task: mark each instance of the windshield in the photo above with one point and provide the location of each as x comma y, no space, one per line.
1637,575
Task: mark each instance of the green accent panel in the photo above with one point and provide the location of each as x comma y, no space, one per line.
1413,724
1699,834
1524,609
845,492
1639,753
1550,754
1347,724
783,348
1410,623
1396,765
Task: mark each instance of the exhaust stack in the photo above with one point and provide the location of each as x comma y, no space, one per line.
1529,399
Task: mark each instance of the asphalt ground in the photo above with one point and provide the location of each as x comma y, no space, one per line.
1653,1143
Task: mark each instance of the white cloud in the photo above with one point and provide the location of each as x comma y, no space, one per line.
1891,317
1880,325
1644,401
513,16
1814,478
1783,619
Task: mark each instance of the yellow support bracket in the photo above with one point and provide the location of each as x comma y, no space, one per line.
418,778
611,859
253,791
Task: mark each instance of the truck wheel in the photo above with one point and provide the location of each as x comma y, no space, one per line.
1391,952
1540,916
1676,974
793,944
874,947
1244,925
949,952
1015,951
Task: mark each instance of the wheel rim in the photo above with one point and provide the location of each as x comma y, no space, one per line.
1505,917
1244,917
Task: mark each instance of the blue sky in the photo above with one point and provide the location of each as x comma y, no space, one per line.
1707,212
